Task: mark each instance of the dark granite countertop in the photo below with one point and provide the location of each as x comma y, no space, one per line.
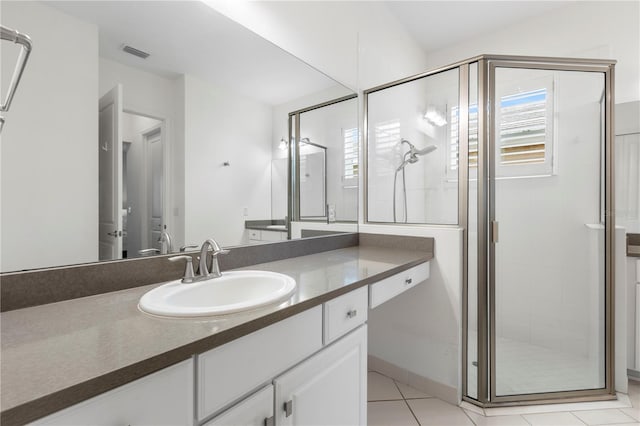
59,354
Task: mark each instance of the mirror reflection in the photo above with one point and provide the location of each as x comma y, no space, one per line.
142,128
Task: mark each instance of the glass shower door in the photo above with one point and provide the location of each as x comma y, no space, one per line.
547,235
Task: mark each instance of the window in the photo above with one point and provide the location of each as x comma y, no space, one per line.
350,137
525,134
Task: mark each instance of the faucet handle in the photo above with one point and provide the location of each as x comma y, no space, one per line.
188,246
189,276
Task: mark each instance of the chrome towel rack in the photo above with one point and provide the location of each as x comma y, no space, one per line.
25,43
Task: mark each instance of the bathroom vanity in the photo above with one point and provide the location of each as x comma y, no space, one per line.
99,360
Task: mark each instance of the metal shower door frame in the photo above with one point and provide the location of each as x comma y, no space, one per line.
486,246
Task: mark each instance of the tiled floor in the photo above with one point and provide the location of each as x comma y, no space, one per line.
395,404
529,368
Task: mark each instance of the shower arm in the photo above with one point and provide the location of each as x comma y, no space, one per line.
25,42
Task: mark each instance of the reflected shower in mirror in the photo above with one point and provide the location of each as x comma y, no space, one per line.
326,185
128,140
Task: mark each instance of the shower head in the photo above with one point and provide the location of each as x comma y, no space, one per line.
415,151
411,156
423,151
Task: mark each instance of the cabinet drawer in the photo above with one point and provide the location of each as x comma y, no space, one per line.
230,371
161,398
255,234
272,235
344,314
256,410
392,286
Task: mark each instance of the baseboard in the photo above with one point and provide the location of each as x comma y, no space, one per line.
633,374
430,387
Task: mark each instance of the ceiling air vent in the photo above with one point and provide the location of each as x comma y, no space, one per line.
135,52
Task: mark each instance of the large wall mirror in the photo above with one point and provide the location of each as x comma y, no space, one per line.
144,127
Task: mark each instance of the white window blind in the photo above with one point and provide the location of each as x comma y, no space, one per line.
525,134
351,164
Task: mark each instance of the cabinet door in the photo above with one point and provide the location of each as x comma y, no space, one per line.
256,410
329,388
161,398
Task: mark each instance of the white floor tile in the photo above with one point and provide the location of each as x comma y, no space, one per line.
433,412
625,424
603,417
558,408
381,388
632,412
481,420
411,393
553,419
634,393
389,413
473,408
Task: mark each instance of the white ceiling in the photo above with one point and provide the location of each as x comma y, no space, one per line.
188,37
438,24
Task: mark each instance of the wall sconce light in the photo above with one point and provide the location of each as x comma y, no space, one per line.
435,117
283,145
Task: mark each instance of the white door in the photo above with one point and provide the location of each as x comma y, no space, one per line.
329,388
110,175
154,187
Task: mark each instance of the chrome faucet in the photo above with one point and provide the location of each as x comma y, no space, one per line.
204,254
203,272
165,242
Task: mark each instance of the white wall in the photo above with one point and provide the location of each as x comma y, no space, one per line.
421,329
220,127
161,98
359,44
585,29
53,119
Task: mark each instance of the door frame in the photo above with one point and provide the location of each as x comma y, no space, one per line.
486,243
168,222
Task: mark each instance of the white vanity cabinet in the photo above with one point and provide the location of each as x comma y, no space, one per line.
330,388
255,410
310,368
231,371
161,398
264,235
392,286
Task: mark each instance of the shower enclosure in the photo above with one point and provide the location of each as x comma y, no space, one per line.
523,163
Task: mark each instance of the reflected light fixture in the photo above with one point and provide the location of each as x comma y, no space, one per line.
283,145
435,117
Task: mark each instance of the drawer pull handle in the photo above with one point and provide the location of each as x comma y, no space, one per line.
288,408
408,281
352,313
269,421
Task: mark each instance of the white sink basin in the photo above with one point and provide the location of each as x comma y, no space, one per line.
234,291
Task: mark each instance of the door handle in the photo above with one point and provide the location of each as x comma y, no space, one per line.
114,233
288,408
494,232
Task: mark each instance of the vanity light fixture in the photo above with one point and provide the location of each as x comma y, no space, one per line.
435,117
283,144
